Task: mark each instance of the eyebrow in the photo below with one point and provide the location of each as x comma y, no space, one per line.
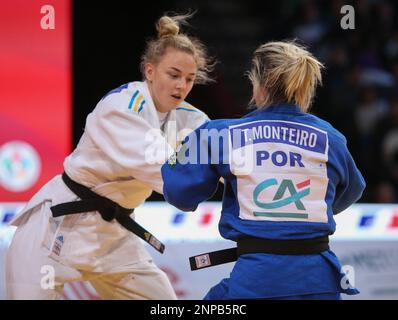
178,70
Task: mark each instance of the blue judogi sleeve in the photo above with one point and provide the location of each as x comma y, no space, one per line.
191,179
351,184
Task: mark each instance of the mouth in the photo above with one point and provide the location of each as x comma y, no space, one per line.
176,96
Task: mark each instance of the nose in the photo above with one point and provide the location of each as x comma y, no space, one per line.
181,84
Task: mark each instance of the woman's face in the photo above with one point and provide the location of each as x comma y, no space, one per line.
171,79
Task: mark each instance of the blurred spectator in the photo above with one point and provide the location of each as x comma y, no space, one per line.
385,154
391,49
385,193
370,109
311,27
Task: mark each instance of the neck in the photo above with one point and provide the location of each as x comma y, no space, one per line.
155,103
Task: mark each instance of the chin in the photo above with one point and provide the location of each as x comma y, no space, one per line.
173,106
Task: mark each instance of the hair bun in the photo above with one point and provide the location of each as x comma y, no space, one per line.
167,27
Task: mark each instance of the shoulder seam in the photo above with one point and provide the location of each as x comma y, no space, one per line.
187,107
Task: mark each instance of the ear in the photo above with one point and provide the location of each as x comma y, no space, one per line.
263,93
149,70
260,94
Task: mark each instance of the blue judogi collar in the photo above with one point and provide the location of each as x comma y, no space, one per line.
279,108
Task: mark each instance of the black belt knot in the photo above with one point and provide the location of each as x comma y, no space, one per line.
111,211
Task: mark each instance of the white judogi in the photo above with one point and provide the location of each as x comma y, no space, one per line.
121,136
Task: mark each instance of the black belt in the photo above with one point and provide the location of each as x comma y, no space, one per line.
109,210
259,245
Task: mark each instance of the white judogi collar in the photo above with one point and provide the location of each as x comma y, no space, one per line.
151,115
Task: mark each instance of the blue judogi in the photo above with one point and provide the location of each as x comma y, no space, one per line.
286,173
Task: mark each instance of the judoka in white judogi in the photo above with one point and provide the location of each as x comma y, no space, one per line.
119,156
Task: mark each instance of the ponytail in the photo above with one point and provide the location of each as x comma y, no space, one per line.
288,72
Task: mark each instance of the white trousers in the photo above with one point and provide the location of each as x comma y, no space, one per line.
31,272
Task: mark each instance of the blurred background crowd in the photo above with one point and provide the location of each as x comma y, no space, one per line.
359,94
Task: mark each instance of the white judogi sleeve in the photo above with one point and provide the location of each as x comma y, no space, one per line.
186,118
190,117
130,142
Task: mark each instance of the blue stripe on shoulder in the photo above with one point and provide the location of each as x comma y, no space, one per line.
124,86
141,106
186,109
132,99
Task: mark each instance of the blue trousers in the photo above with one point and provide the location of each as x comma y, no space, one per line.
220,292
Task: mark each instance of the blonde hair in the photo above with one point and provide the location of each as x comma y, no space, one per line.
288,73
169,36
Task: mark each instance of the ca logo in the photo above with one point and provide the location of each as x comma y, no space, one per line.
278,201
